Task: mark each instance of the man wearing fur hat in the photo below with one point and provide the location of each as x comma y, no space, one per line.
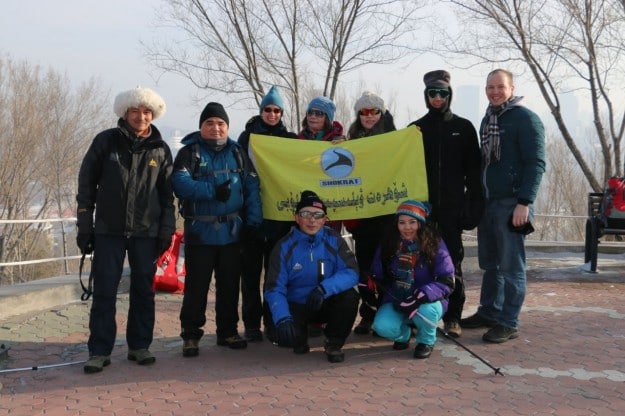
125,178
220,196
452,159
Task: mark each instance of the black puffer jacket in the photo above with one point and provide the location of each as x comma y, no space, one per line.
128,180
452,159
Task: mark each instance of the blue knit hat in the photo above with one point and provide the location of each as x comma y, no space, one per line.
415,209
324,104
272,97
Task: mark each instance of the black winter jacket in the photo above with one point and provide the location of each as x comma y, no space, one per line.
452,159
128,180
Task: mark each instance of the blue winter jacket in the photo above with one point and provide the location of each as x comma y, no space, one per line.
294,269
207,220
436,281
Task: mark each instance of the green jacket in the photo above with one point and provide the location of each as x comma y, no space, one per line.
520,168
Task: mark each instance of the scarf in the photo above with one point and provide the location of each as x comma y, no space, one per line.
490,140
407,255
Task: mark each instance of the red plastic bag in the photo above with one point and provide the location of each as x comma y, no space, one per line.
170,268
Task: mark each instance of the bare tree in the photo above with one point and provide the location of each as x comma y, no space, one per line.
565,45
44,130
238,47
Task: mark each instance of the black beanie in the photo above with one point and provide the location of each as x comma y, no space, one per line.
213,109
437,79
310,199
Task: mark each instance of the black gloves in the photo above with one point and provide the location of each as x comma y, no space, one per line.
367,290
85,237
471,215
85,242
410,305
163,245
315,299
285,332
222,192
248,233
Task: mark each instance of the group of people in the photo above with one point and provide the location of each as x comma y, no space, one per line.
406,272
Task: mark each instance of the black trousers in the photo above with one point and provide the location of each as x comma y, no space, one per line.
452,236
366,240
338,312
201,261
108,262
256,253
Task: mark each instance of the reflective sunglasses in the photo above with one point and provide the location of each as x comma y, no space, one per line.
310,214
272,110
441,92
369,111
316,113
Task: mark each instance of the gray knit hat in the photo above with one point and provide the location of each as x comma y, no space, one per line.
369,100
139,96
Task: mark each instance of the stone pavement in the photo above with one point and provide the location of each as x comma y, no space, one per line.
568,360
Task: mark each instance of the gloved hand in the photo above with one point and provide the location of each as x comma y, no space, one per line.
163,245
367,290
285,332
315,299
410,305
471,215
222,192
85,242
248,233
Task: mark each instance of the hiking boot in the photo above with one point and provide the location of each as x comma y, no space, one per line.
476,321
142,356
190,348
95,363
334,353
422,351
400,346
500,334
235,342
315,330
253,335
453,329
301,349
363,327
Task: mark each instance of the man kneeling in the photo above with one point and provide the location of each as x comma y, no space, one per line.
311,278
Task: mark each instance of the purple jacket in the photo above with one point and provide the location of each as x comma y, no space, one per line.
436,281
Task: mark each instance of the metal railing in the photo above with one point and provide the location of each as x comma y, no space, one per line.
37,261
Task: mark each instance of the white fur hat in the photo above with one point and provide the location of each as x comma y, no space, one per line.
136,97
369,100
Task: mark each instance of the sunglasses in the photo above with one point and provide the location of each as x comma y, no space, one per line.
310,214
369,111
315,113
272,110
441,92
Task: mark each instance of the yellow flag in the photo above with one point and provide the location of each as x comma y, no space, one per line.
360,178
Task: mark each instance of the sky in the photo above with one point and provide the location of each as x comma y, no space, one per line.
101,39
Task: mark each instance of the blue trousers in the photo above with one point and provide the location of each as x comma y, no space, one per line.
393,325
501,254
108,262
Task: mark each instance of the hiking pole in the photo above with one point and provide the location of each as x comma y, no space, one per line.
40,367
433,325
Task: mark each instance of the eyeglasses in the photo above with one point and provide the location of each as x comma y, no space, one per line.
310,214
441,92
316,113
272,110
369,111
